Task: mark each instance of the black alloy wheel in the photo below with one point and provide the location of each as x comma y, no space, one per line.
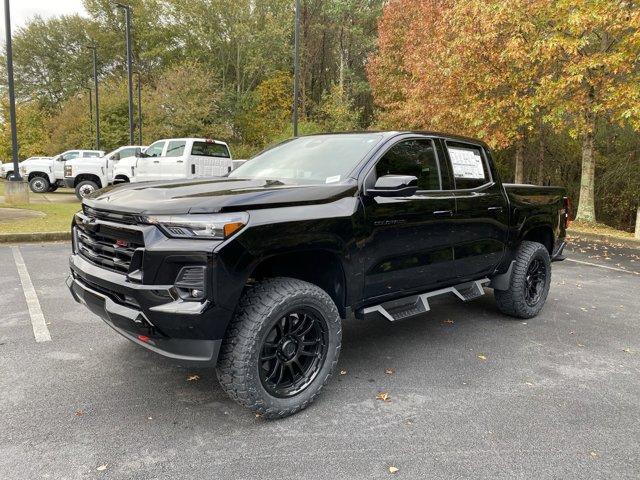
535,281
293,352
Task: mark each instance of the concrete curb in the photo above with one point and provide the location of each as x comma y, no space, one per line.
34,237
595,237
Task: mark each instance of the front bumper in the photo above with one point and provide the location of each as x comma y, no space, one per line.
148,315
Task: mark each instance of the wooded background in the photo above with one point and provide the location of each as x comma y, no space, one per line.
552,85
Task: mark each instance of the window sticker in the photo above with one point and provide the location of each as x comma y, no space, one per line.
466,163
333,179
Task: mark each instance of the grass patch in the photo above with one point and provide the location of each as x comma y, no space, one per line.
58,218
598,229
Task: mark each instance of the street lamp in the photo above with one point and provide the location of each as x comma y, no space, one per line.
12,95
127,14
140,109
95,84
296,69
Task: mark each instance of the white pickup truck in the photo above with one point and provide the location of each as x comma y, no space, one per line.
6,169
46,175
88,175
176,158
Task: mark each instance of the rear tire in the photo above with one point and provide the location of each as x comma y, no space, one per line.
529,284
39,184
86,188
281,348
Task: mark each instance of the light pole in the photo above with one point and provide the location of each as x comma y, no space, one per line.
127,15
296,69
95,85
12,95
140,110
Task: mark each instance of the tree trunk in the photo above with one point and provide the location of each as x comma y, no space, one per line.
586,203
519,175
638,223
541,147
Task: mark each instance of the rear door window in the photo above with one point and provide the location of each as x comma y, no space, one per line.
468,165
209,149
175,148
127,152
91,154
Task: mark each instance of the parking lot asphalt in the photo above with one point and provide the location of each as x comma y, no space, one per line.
472,393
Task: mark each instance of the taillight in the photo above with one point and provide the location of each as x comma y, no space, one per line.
566,201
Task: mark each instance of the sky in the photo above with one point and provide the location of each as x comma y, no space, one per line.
23,10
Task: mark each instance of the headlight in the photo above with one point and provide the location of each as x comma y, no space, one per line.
212,227
68,171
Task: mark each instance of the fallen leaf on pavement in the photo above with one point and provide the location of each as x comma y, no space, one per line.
482,357
580,344
389,371
393,469
529,383
626,350
102,468
593,454
193,378
79,413
343,372
384,396
448,320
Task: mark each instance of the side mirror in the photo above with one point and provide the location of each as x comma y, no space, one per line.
140,154
394,186
115,156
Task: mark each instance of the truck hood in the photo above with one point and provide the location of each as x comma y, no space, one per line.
212,196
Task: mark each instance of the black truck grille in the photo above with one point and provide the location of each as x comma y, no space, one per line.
112,248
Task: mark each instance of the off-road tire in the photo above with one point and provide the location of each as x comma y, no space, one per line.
513,301
260,307
83,185
39,184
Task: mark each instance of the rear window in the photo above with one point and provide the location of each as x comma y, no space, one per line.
91,154
468,165
206,149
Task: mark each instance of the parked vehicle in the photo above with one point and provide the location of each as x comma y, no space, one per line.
174,159
6,169
88,175
47,174
255,272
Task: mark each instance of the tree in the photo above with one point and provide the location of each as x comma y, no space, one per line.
466,68
185,103
33,136
593,47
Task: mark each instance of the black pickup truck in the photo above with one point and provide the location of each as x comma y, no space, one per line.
254,273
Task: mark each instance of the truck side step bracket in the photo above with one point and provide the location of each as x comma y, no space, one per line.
413,305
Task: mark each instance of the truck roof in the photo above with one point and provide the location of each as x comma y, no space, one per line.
393,133
195,139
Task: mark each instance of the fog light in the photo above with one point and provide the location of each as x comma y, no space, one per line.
190,283
196,293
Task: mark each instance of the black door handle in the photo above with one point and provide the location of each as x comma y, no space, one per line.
443,213
495,209
156,161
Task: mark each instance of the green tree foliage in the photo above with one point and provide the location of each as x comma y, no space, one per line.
185,102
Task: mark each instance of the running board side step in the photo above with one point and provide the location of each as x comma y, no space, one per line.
413,305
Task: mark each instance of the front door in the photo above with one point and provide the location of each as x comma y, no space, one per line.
408,242
172,164
148,167
58,166
482,213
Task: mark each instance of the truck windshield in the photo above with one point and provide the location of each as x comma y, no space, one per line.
313,159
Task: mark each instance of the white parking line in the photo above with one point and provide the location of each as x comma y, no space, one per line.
601,266
40,330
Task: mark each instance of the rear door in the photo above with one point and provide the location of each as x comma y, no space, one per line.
482,214
408,239
209,159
